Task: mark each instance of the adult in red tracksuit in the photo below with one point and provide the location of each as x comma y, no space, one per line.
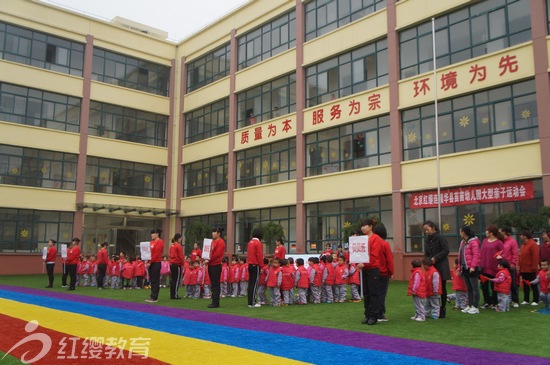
255,260
157,247
102,262
50,261
73,255
371,273
217,252
386,269
176,263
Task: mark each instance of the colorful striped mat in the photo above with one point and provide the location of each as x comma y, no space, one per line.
70,326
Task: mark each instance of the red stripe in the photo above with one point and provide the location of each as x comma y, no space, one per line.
65,348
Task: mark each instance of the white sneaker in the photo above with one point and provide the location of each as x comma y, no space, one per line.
413,318
420,319
515,305
524,302
473,310
534,304
466,310
257,305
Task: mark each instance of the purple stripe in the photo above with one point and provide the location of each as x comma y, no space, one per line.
422,349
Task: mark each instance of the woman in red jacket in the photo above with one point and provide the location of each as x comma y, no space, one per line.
50,261
528,264
73,255
468,261
217,252
157,247
371,274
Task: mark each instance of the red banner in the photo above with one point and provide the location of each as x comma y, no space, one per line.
504,192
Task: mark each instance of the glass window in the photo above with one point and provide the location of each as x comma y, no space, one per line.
23,230
267,40
206,176
133,73
477,216
325,222
208,68
349,73
125,178
209,121
39,49
117,122
323,16
211,220
361,144
38,108
489,118
267,101
267,164
476,30
38,168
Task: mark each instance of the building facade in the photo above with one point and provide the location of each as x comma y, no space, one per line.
311,114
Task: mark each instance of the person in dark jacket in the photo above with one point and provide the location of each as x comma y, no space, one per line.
436,248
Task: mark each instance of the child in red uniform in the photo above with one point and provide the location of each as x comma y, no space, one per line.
274,280
164,271
139,270
127,273
341,274
206,293
315,279
243,285
543,279
92,272
115,273
187,278
234,278
327,295
196,279
302,281
417,288
287,283
503,285
433,288
224,277
262,285
84,271
459,286
354,283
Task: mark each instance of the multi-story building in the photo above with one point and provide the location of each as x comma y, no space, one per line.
310,114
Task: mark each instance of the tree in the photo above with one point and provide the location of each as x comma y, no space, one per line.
196,232
521,221
272,231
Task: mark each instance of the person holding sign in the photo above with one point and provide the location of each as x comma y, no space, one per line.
214,261
371,273
50,261
157,247
73,256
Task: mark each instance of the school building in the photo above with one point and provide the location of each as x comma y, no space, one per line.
310,114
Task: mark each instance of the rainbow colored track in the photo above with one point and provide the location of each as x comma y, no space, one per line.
181,336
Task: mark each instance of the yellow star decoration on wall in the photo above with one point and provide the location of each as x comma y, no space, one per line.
240,164
346,155
24,233
504,123
446,227
265,164
69,175
199,176
274,166
347,224
43,170
14,170
526,114
485,120
445,133
65,235
322,155
206,175
293,164
464,121
331,231
469,219
428,136
333,154
372,140
147,179
411,137
257,169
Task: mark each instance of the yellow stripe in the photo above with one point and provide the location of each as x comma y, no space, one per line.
163,346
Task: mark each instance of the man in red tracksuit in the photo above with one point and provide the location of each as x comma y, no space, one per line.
102,262
255,251
73,255
176,263
157,247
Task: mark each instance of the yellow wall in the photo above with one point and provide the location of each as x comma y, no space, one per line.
25,197
39,138
207,95
372,181
124,200
204,204
509,162
32,77
204,149
266,196
273,68
344,38
127,151
130,98
413,11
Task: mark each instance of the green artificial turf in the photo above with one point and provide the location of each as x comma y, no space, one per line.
519,331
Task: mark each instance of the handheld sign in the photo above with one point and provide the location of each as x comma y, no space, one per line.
359,249
64,251
206,248
44,253
145,250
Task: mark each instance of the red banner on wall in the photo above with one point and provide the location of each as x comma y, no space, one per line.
504,192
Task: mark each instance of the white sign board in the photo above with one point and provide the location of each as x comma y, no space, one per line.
44,253
206,248
145,250
64,251
359,249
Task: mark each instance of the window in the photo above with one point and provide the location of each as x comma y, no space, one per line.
485,27
133,73
209,121
23,230
267,164
211,220
349,73
125,178
39,108
267,41
42,50
117,122
353,146
208,68
485,119
204,177
270,100
325,222
477,216
323,16
246,221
